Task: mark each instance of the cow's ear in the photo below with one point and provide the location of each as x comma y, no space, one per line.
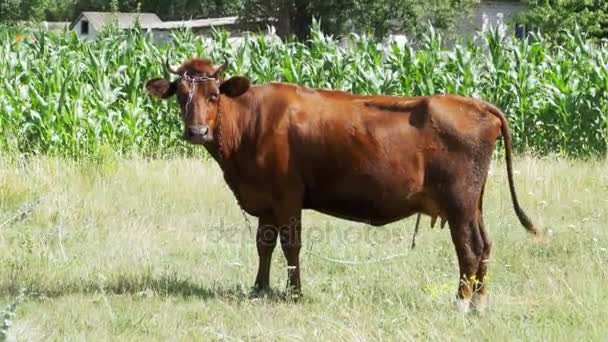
161,88
236,86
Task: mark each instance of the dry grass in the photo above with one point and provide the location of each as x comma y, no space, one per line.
157,250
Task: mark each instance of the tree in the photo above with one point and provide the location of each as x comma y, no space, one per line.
65,10
15,10
294,17
290,17
10,10
552,17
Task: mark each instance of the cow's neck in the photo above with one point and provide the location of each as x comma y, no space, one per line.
227,147
235,124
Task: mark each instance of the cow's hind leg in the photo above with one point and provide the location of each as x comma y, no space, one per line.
291,243
472,248
480,295
289,218
480,290
464,235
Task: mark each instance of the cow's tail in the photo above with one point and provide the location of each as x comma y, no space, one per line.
506,135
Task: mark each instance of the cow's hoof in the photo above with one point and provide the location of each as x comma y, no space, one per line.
463,305
259,292
480,302
293,295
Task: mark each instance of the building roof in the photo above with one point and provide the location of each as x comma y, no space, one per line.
148,21
54,26
196,23
123,20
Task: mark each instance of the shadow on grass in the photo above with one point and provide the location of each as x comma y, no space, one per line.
145,286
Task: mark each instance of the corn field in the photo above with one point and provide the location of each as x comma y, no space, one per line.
63,96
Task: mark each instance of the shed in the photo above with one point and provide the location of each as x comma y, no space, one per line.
87,24
163,30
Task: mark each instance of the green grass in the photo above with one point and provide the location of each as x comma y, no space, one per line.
157,250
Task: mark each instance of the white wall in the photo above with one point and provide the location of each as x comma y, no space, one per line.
78,29
491,13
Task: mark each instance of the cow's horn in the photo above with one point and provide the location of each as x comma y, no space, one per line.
221,68
169,68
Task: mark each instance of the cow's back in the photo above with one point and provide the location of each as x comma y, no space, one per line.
368,158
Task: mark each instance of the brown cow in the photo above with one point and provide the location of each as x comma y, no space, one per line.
374,159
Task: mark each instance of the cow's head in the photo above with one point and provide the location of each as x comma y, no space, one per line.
199,88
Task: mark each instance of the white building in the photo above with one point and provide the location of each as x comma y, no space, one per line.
87,24
489,13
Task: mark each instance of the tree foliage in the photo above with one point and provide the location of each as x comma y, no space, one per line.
57,10
555,17
291,17
294,17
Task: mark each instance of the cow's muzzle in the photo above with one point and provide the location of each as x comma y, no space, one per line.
198,134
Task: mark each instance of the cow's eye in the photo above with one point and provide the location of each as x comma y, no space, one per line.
213,97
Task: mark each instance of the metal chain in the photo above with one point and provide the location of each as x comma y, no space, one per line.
221,155
194,80
191,92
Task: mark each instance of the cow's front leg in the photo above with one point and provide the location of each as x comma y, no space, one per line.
266,239
290,230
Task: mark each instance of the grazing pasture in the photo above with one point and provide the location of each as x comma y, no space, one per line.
136,249
112,228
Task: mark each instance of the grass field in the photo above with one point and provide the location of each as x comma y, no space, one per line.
157,250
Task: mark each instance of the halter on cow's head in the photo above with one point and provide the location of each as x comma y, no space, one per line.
199,87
